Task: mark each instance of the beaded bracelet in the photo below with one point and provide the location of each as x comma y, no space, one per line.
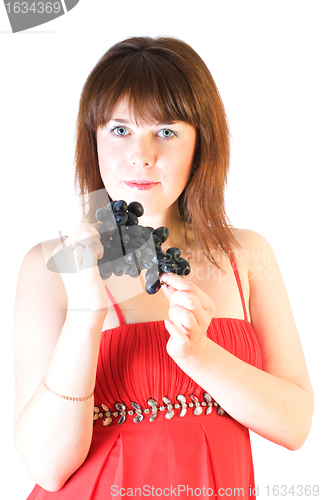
62,396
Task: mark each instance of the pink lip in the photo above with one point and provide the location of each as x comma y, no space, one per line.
141,185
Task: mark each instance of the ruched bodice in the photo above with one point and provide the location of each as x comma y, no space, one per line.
134,364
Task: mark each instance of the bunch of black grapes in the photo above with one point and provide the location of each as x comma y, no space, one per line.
129,248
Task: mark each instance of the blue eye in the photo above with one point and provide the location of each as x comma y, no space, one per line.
166,133
120,130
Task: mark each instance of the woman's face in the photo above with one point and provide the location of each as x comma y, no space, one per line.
149,163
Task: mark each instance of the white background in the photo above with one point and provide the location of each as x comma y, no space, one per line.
265,59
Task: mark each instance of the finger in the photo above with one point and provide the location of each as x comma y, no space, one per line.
78,253
90,254
188,300
68,256
86,239
82,231
176,334
183,318
172,280
176,281
62,261
167,290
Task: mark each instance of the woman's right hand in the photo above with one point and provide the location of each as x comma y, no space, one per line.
76,261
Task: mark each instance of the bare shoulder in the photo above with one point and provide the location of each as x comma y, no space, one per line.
253,251
258,266
36,262
249,239
41,251
40,293
37,284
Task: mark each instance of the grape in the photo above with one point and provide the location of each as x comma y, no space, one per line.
138,253
145,233
120,206
133,271
102,214
130,258
105,270
162,233
132,219
110,206
104,275
161,257
106,226
168,267
136,208
135,231
114,253
157,242
138,243
121,218
147,265
152,274
120,267
183,267
107,244
106,267
174,252
147,254
126,239
152,287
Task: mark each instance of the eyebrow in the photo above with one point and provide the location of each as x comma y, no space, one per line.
120,120
128,122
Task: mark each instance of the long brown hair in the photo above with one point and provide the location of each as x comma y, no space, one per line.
164,80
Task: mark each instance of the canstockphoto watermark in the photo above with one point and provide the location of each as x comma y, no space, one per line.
28,14
275,490
180,490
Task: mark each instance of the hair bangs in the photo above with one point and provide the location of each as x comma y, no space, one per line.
152,88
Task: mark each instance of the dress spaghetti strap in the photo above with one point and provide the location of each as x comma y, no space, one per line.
238,280
115,305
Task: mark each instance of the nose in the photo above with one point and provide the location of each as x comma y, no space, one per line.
143,154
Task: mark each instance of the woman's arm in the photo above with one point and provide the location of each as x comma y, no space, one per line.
53,435
276,402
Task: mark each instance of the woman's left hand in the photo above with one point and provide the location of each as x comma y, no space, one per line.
190,314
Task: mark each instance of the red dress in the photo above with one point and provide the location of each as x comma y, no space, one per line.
160,453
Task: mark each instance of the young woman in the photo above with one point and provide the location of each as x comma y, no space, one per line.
174,380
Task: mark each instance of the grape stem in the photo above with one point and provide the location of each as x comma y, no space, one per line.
121,241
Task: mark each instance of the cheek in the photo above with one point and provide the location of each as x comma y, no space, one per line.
103,168
105,161
184,165
189,151
105,153
101,155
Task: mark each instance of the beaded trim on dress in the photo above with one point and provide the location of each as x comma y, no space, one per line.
182,405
